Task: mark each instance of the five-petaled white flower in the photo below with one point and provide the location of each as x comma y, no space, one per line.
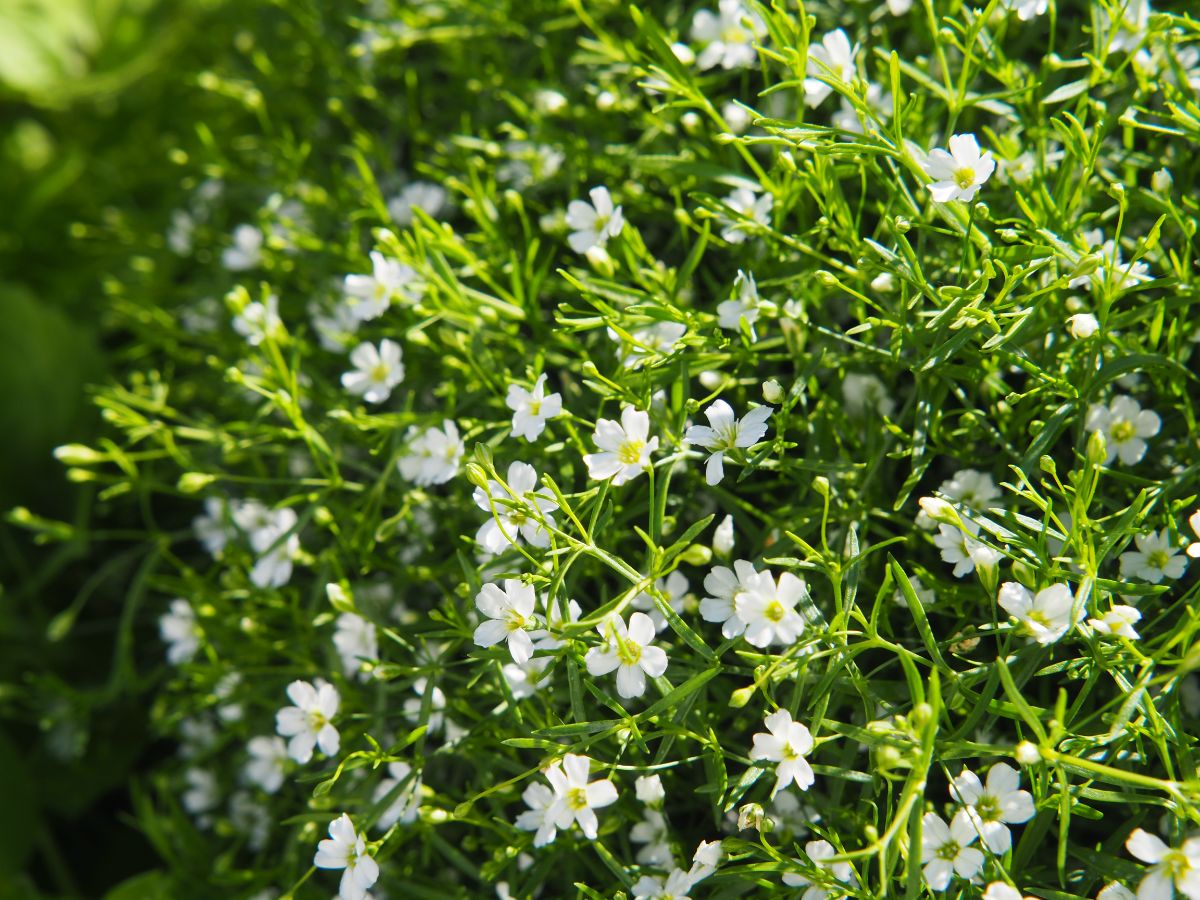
747,304
593,223
728,588
532,408
946,849
513,511
180,632
1155,558
627,650
575,800
769,610
1118,621
540,800
510,616
833,58
959,174
1170,868
276,543
433,454
308,723
1046,616
376,370
729,33
726,432
676,886
406,802
821,853
785,743
1125,426
268,762
347,849
368,296
993,808
750,213
625,447
963,550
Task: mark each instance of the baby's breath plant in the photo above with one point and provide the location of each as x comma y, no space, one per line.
726,449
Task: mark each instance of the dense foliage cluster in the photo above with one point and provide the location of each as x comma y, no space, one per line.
724,449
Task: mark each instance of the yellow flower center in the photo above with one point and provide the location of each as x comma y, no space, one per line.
630,452
379,372
628,651
535,407
774,611
964,178
577,798
1122,431
1159,559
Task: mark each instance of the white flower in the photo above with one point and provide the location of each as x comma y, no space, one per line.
510,615
426,196
1130,29
267,763
433,454
180,632
593,223
625,447
728,588
674,590
993,808
347,849
676,886
272,537
376,371
545,639
959,174
525,680
1161,181
179,233
769,610
1193,549
250,818
730,313
659,339
513,511
407,800
946,850
832,59
308,723
821,852
1170,868
785,743
626,649
1082,325
963,550
730,35
214,529
722,543
259,321
865,394
751,212
531,409
1118,621
356,642
246,252
1154,559
726,432
368,296
1125,426
649,790
1110,268
202,794
336,329
971,488
438,720
1115,891
899,7
573,800
653,833
1027,10
1046,617
999,890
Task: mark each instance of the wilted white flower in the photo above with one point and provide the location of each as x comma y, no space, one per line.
723,537
959,174
649,790
434,454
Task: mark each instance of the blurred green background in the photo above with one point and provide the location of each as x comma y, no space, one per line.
94,94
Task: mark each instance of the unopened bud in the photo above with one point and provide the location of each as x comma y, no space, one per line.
1082,325
1161,181
1027,754
772,391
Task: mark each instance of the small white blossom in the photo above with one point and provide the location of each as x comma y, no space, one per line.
1118,621
1193,549
726,432
214,529
722,543
202,794
368,296
745,307
676,886
865,395
971,488
1125,426
268,762
347,849
574,800
1115,891
1171,869
659,339
259,321
273,538
626,649
963,550
246,252
751,212
832,59
1155,558
426,196
540,800
407,800
946,850
674,590
510,613
1082,326
532,408
999,890
654,834
959,174
513,511
434,454
625,447
526,679
593,223
649,790
376,371
1028,10
993,808
356,642
821,853
308,723
729,588
1046,616
180,632
785,743
729,35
